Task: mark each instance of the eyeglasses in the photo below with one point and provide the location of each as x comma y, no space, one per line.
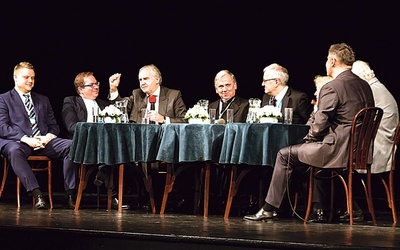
266,80
92,84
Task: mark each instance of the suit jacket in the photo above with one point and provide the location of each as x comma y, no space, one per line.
170,104
74,111
298,101
328,138
384,136
14,120
240,108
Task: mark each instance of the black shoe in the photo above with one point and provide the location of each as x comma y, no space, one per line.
114,205
319,216
261,215
358,216
40,203
70,202
100,178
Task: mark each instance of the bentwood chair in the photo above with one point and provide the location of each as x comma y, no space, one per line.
36,165
363,130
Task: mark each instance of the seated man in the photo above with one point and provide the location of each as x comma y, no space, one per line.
80,109
225,86
28,127
327,141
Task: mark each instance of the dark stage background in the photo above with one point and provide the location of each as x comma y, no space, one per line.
190,41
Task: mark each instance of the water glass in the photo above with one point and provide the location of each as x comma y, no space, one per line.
143,113
95,114
212,115
288,116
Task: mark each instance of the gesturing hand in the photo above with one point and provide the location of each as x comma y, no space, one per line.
114,81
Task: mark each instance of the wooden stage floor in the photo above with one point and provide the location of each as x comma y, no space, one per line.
93,228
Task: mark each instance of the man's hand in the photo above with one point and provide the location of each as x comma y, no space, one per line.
156,117
45,139
33,142
114,81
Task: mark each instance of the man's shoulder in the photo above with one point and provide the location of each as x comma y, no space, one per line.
169,91
295,92
241,99
72,98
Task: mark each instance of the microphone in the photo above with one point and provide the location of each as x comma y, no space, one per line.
152,100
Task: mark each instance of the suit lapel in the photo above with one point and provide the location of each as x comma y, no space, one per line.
162,102
19,103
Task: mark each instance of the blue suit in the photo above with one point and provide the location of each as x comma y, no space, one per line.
15,123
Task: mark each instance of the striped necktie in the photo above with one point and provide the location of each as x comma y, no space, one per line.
32,115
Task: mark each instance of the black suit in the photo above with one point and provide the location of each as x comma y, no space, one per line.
74,111
240,108
298,101
15,123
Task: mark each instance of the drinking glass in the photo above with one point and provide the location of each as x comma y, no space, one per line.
143,113
288,116
229,116
212,114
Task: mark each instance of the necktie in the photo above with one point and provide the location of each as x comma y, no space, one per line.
272,101
32,115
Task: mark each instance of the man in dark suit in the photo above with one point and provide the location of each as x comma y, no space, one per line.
169,106
327,141
225,86
279,94
80,109
19,137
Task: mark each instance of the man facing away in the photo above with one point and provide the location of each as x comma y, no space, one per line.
326,144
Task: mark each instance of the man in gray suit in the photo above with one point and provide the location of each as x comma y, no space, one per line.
169,106
18,139
327,141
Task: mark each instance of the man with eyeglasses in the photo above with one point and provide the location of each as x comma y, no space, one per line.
80,109
279,94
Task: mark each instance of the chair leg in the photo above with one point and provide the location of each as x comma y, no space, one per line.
310,195
389,189
49,183
5,172
18,193
391,198
369,198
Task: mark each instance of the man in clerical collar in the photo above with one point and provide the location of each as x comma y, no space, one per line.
225,86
